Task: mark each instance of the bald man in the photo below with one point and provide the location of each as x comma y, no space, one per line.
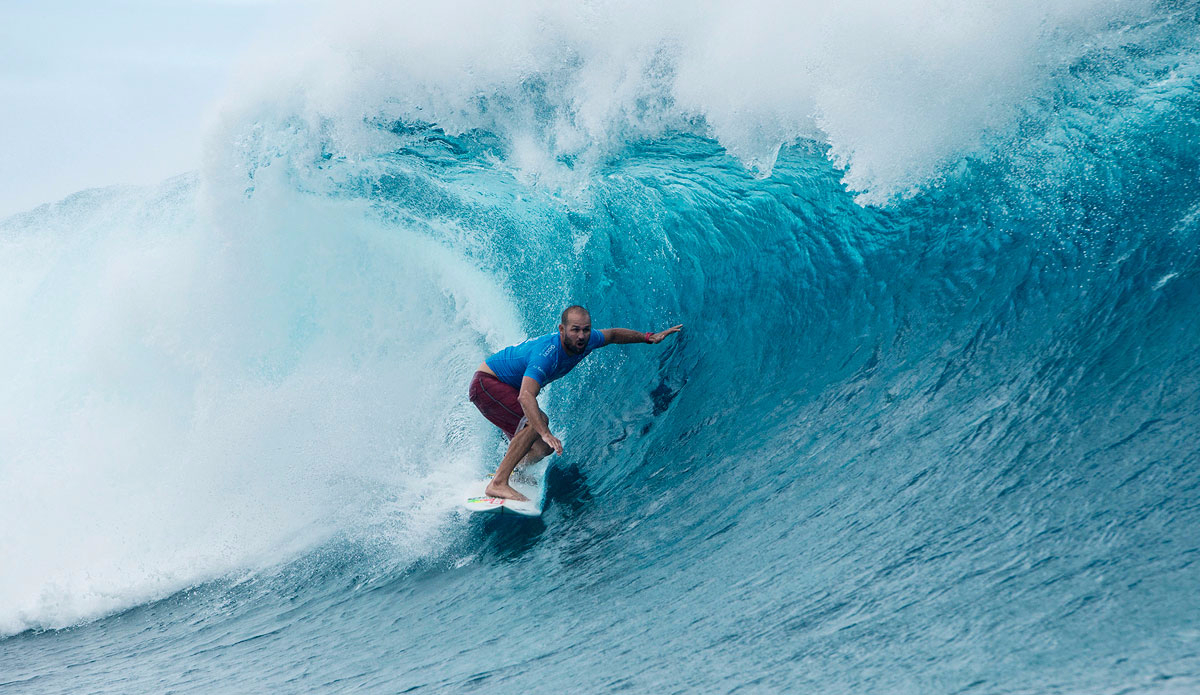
506,386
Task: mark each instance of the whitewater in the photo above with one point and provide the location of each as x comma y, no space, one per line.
932,426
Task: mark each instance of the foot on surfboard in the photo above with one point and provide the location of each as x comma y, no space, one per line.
505,492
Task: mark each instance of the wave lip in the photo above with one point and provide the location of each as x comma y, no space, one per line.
899,93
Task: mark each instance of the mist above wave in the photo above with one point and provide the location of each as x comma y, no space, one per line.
897,90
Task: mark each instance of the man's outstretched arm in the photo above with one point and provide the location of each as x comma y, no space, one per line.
621,336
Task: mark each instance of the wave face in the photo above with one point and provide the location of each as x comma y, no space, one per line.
931,425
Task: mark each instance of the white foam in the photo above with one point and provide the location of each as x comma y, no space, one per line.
897,89
187,400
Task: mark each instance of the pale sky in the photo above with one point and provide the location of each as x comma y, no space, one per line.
102,92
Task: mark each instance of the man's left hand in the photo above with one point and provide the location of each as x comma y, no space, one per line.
658,337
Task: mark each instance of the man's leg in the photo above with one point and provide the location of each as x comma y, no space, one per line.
537,452
521,445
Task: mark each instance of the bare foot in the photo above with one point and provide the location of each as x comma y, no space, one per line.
505,491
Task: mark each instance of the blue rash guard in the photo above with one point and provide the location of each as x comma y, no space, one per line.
542,359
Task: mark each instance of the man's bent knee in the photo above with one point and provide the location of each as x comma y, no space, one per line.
524,424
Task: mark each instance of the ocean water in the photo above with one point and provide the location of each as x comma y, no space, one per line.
932,425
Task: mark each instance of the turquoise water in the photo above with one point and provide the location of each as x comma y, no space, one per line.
931,426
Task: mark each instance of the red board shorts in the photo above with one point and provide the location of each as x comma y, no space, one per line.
498,403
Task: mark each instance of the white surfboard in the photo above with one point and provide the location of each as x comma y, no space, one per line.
530,482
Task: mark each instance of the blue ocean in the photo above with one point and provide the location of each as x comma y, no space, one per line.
932,424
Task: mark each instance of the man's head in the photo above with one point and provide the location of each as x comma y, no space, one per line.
575,328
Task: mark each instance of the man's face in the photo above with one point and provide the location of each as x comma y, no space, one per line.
576,331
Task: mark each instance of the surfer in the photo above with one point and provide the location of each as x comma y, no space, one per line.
506,386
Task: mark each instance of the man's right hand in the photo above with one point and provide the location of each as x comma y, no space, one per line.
553,442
